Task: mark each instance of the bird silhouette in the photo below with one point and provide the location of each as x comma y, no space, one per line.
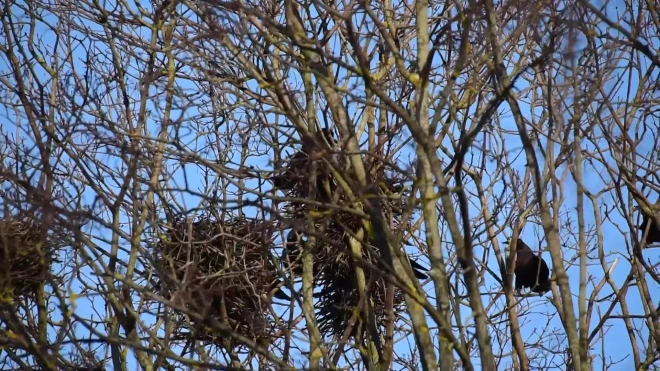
295,172
279,293
291,252
527,267
309,147
647,218
418,270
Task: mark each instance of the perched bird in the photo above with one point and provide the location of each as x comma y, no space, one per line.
88,368
418,270
278,291
296,173
653,235
325,186
527,267
325,133
291,253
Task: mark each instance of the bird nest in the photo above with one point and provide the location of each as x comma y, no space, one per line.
25,258
339,299
335,272
332,226
221,271
293,178
334,269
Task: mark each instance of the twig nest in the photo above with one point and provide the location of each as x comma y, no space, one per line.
334,269
221,270
25,258
339,298
330,248
293,178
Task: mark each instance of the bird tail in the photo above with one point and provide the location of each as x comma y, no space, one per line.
279,294
542,287
418,270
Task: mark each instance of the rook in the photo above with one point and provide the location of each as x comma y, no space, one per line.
527,267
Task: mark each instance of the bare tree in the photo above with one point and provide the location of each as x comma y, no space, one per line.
323,185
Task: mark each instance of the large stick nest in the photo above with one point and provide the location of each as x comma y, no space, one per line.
294,177
335,273
25,257
334,269
220,270
339,298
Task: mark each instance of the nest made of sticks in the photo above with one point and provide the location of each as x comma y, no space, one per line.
334,269
293,178
339,298
332,226
221,270
25,257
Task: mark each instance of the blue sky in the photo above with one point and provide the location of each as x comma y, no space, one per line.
192,178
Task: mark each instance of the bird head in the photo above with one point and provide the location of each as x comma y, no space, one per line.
519,246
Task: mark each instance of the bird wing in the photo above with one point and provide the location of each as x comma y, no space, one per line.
418,269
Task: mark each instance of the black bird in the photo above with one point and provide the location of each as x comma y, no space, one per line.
308,148
323,175
295,171
275,289
654,230
527,267
418,270
278,291
291,253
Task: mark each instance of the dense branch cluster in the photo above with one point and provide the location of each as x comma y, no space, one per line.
221,270
334,267
535,122
25,257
